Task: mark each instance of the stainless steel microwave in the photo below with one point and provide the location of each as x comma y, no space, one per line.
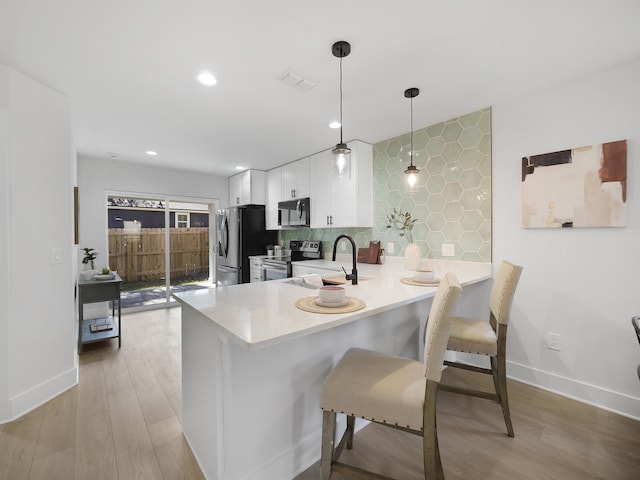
294,213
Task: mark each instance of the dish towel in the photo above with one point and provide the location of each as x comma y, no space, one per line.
312,279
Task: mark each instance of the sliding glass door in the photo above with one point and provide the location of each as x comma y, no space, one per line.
189,246
158,245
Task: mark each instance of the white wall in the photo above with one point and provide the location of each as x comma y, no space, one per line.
37,165
4,243
97,177
580,283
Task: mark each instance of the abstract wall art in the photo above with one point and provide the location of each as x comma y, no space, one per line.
581,187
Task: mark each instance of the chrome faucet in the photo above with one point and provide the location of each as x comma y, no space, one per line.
353,276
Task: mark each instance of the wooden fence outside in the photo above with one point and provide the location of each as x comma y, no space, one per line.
141,256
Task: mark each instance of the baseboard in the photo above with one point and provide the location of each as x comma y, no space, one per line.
195,455
299,458
5,411
615,402
25,402
292,462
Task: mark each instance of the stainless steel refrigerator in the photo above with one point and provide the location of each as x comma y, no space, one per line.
241,233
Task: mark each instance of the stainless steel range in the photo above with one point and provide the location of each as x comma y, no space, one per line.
275,268
305,250
280,267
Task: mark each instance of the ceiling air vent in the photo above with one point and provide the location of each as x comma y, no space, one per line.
297,81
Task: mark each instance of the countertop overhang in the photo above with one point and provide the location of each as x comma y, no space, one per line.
263,314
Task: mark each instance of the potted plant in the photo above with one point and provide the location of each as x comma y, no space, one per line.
89,258
404,222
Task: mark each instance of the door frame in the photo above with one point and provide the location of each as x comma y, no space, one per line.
214,205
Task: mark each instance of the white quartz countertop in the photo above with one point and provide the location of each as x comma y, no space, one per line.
262,314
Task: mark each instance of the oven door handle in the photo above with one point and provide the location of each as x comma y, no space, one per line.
226,269
275,268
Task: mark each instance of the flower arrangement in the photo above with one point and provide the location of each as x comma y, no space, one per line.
90,256
402,221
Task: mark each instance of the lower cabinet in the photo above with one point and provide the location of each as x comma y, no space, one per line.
255,269
255,275
342,202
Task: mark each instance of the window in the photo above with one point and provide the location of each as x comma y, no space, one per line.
182,220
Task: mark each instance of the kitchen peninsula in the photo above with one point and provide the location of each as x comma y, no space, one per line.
253,363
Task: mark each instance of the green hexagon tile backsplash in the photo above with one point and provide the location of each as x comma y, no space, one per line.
453,199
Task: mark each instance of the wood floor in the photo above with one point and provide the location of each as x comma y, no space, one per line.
555,438
123,422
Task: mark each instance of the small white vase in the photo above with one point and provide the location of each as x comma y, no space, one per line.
87,274
412,256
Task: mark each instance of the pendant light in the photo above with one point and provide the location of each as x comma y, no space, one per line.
341,162
412,171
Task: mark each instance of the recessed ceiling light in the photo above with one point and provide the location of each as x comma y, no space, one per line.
238,167
151,152
207,78
112,154
334,125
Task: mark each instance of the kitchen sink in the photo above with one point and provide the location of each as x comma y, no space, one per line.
340,280
332,280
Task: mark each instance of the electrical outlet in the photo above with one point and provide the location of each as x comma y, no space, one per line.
448,250
343,245
554,341
390,247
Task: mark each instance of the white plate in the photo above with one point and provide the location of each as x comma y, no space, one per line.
105,276
434,280
320,303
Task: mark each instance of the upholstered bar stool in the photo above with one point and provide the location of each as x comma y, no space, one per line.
393,391
488,338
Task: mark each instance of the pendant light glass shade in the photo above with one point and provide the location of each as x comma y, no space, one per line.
341,164
341,161
412,177
412,171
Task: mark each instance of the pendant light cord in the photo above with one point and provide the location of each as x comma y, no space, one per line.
340,50
411,152
341,99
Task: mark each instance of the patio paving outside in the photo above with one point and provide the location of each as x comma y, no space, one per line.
157,295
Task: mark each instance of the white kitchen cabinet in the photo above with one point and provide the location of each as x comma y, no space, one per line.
295,179
247,188
255,269
340,203
274,195
290,181
255,275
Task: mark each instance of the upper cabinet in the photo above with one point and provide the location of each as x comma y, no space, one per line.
274,195
340,203
247,188
288,182
335,203
295,179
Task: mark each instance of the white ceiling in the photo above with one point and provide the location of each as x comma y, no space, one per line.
129,68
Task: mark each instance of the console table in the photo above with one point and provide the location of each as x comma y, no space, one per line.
93,291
